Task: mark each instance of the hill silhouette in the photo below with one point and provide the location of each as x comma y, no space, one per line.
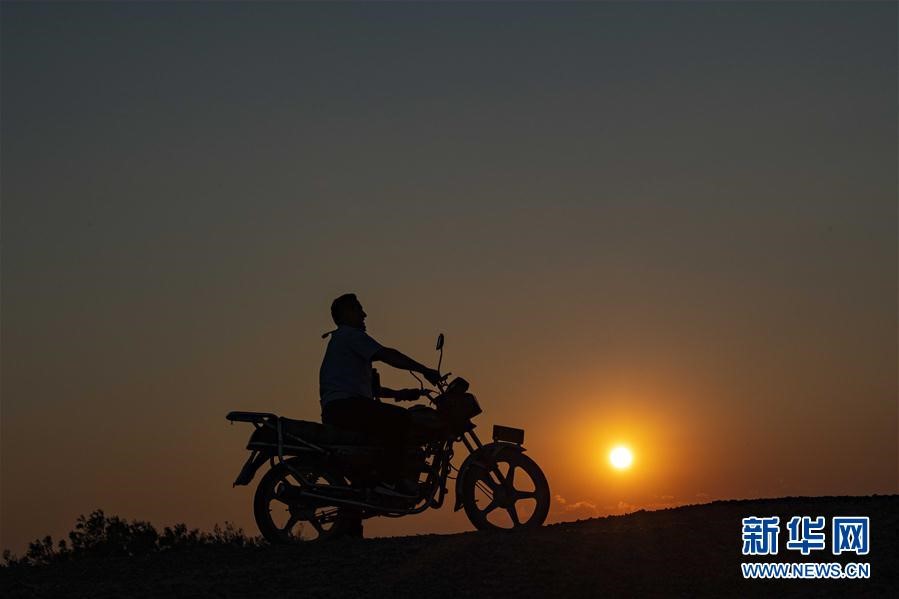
686,551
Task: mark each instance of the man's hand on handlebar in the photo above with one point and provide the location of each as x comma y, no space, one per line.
433,376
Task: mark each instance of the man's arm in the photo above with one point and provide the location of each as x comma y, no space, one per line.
392,357
386,392
400,394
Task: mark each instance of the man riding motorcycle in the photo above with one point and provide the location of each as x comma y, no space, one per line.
324,479
350,390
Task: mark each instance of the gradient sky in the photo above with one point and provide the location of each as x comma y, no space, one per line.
667,224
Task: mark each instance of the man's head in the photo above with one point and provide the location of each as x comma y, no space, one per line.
347,310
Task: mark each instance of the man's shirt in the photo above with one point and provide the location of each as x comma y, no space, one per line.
346,368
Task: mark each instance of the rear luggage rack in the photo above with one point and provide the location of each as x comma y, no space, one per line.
253,417
272,421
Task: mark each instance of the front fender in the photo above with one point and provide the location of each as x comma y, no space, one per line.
481,457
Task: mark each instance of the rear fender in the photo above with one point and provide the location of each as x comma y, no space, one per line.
482,458
253,463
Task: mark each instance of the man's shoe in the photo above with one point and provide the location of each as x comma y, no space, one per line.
353,529
408,486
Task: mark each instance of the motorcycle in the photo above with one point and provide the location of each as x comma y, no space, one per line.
322,478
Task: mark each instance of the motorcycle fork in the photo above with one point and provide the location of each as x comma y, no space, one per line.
478,445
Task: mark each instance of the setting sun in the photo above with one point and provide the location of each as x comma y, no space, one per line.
621,457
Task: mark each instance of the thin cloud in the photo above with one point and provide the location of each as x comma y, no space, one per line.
578,509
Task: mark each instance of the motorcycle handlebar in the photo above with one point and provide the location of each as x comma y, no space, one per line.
441,384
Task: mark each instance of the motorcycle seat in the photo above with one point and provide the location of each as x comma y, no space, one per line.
310,432
323,434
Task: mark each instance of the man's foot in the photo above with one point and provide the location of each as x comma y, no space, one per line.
353,529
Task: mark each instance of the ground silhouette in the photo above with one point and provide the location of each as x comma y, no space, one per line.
686,551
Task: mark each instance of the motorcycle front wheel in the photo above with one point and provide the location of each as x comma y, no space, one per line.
508,494
283,519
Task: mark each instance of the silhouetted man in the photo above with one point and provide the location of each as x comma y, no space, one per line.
348,392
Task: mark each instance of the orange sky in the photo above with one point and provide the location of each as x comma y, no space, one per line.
670,226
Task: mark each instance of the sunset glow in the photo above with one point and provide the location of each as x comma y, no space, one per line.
621,458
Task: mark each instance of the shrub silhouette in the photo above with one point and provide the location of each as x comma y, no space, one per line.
99,535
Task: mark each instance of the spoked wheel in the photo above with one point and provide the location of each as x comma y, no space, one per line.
512,493
282,518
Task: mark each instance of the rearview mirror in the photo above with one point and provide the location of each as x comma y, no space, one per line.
439,341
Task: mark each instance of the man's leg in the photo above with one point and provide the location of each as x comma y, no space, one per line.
392,426
348,414
389,425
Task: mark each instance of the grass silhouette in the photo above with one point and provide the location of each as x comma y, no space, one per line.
99,535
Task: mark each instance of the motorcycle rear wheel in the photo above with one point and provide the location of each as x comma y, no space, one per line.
513,503
283,520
